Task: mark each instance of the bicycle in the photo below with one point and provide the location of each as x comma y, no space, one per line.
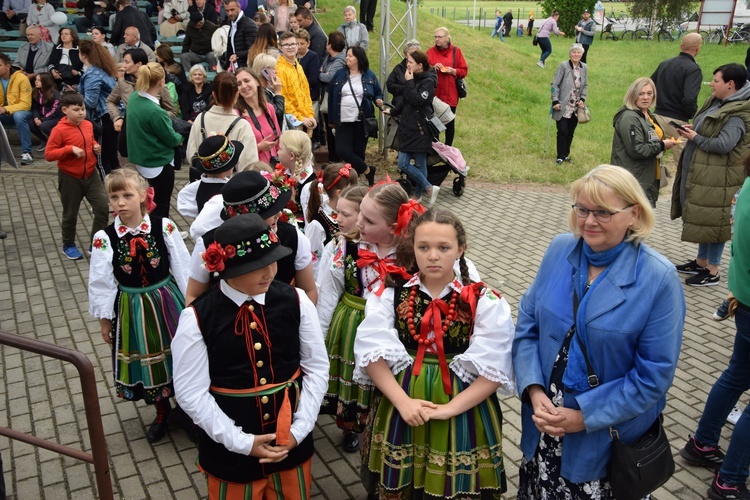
608,33
667,34
638,33
739,34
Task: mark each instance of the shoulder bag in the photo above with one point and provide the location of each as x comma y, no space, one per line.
635,469
370,123
535,40
584,116
460,83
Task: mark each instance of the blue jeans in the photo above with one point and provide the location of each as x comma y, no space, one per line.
417,172
546,46
711,251
499,33
723,396
20,119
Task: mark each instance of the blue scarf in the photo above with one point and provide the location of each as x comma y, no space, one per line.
576,374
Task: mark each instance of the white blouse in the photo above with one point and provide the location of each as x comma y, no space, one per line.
316,233
102,282
192,378
186,202
488,354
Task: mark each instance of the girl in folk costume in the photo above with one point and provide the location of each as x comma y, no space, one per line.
295,154
250,369
322,213
357,271
347,210
137,282
436,430
266,195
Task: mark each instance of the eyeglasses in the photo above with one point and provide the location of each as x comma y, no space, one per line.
440,36
288,45
599,215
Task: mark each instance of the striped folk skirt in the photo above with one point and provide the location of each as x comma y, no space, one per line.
456,458
146,323
347,400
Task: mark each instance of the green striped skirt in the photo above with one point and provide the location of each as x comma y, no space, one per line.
461,457
349,401
146,322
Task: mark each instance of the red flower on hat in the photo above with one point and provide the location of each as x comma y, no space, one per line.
230,251
231,211
284,217
214,257
273,236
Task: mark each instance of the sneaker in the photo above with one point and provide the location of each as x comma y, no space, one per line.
719,490
433,196
703,279
184,235
42,147
72,252
351,442
722,313
26,159
559,161
568,159
734,415
691,267
540,64
705,456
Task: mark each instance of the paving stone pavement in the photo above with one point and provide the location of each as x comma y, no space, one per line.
43,295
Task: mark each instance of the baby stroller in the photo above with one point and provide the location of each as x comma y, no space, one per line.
442,160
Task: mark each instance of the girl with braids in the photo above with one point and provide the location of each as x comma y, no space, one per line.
436,425
295,154
357,271
321,212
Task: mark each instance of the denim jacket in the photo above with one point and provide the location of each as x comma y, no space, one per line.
372,90
95,87
634,322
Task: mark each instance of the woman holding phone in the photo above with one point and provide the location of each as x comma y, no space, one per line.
253,107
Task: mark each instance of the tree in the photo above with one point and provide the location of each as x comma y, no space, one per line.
570,12
661,11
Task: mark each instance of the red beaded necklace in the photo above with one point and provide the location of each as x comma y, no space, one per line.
446,322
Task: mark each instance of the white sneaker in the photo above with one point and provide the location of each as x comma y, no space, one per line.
26,159
540,64
734,415
433,196
184,234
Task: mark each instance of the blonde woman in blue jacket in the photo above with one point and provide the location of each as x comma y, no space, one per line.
630,315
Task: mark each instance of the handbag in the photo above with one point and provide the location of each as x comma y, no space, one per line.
535,41
636,469
442,111
324,104
663,176
584,116
460,83
370,123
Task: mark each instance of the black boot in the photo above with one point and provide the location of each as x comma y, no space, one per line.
371,175
181,419
159,426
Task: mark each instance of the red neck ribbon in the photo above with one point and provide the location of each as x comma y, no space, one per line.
134,245
383,267
432,320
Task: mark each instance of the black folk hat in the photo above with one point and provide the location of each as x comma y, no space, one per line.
251,192
217,154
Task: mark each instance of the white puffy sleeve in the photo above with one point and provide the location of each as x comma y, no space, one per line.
102,283
377,338
489,352
209,218
317,235
186,204
197,271
330,282
179,257
303,257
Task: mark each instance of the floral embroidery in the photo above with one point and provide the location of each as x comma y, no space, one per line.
99,244
150,252
170,228
263,240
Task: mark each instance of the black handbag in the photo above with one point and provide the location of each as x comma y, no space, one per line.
460,83
635,469
535,41
370,124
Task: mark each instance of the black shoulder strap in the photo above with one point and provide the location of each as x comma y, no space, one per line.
593,379
203,125
454,56
256,123
232,125
354,96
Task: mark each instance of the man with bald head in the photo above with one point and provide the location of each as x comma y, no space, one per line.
132,40
678,82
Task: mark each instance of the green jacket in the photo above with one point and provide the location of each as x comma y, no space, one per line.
739,266
151,138
712,178
635,147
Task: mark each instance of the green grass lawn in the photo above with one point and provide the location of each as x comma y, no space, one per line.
502,125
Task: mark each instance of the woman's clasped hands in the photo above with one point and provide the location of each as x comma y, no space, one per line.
550,419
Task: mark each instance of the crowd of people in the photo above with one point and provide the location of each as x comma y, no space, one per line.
313,290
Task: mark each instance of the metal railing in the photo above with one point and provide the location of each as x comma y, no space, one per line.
98,455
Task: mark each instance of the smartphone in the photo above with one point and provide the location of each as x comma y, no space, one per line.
267,73
677,125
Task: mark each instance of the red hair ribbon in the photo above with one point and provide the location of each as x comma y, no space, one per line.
320,177
405,213
383,267
134,245
343,172
386,180
432,320
150,205
470,295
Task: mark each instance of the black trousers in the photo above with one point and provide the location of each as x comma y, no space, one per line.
450,129
367,13
351,143
163,185
566,127
585,52
108,142
330,141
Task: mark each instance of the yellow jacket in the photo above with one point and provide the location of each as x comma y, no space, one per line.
294,88
19,93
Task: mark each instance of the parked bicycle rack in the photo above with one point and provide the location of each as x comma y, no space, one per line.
98,455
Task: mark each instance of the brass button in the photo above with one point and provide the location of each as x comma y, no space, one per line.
266,417
253,325
257,346
262,381
259,364
251,307
264,399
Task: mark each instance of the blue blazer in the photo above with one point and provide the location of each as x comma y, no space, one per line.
371,88
634,322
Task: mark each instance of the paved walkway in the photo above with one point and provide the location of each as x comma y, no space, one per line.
43,295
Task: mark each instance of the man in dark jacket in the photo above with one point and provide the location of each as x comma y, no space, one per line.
318,39
130,16
206,9
242,33
196,47
678,82
508,18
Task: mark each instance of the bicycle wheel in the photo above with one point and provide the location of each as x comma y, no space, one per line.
665,36
640,35
715,36
628,35
704,35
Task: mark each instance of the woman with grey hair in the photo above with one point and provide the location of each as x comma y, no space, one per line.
355,33
569,90
396,80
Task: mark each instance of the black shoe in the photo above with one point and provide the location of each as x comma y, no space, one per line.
180,419
159,426
568,159
691,267
559,161
3,235
720,491
351,442
371,175
702,455
703,279
315,145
